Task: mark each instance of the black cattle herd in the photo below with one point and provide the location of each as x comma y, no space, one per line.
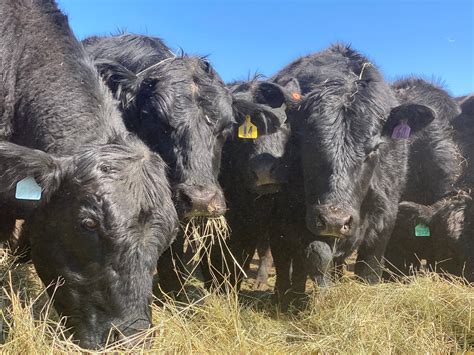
106,145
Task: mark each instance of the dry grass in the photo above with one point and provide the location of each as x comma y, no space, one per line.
425,314
203,235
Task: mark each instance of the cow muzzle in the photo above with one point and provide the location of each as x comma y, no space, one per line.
198,200
330,220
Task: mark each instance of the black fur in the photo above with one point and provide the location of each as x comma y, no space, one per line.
181,108
253,173
345,164
106,213
435,165
435,162
439,168
449,248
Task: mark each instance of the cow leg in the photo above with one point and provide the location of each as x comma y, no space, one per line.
396,262
243,250
19,242
369,265
7,225
171,268
222,271
11,233
246,255
282,260
265,263
206,263
296,295
215,268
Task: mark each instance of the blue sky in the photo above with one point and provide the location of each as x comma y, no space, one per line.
432,38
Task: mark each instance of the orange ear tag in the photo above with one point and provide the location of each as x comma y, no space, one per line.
247,130
296,96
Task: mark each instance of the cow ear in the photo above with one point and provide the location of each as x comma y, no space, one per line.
467,105
292,86
414,211
267,119
29,174
275,95
122,82
407,119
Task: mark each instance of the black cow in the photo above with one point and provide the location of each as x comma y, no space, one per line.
449,245
446,243
181,108
105,212
352,172
435,161
435,164
253,173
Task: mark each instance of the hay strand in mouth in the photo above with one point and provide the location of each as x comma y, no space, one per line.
204,235
201,233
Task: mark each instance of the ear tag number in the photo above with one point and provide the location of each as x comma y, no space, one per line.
248,130
28,189
422,230
402,130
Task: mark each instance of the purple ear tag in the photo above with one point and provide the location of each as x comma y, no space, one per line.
402,130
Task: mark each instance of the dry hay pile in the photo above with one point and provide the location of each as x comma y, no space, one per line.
424,314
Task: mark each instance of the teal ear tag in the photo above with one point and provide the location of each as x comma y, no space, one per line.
28,189
422,230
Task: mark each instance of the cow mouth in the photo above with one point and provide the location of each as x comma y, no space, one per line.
267,189
332,235
210,213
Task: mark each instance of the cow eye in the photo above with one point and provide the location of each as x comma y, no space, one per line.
90,224
105,168
373,146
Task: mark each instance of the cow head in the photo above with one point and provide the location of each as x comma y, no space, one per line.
262,162
452,226
181,108
104,217
345,128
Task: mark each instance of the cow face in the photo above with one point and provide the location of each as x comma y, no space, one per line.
452,227
262,162
182,110
345,129
104,218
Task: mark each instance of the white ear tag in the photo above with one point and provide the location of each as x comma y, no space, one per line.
28,189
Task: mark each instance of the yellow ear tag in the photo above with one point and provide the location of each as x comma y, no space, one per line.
248,130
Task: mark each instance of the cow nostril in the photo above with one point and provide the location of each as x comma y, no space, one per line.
116,336
186,199
254,175
347,224
320,221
